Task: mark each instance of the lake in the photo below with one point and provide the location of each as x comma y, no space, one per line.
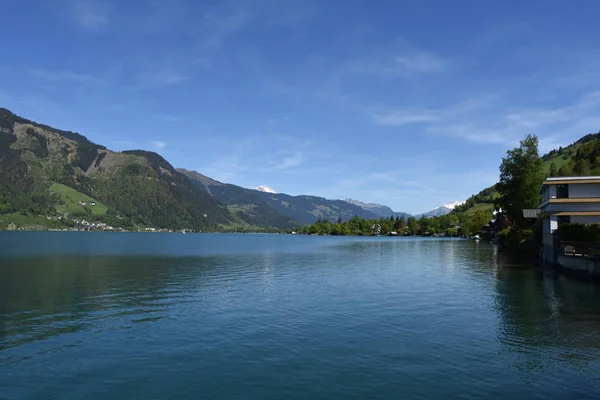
225,316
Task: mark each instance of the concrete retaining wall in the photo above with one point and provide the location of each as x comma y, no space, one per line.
580,266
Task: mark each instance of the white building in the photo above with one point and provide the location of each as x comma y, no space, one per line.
568,200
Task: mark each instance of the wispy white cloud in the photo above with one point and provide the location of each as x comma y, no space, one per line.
142,108
230,17
392,188
290,162
257,159
165,78
404,117
158,145
62,75
585,76
504,33
121,145
167,117
91,14
492,120
221,23
399,64
420,62
32,103
226,168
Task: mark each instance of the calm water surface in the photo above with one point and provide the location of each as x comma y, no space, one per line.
155,316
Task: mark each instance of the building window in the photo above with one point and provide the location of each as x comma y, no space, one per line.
564,219
545,193
562,191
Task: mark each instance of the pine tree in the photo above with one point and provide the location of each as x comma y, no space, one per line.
553,170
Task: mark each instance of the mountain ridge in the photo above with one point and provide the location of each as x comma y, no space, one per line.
303,209
265,188
246,204
385,211
42,168
443,209
379,210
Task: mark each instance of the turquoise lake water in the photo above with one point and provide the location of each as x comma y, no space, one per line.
173,316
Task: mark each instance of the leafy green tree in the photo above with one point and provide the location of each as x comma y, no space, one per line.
565,170
521,176
387,225
434,225
474,222
582,167
452,232
337,229
425,225
400,224
452,220
354,226
413,226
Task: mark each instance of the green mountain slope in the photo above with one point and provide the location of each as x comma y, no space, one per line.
45,171
579,159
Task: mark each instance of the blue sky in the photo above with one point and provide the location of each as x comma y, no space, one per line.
411,103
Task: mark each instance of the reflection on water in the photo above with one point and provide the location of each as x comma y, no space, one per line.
278,316
45,297
541,310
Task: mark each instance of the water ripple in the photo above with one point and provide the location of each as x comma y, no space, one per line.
291,317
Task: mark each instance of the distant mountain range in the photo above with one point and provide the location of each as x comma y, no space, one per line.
382,211
262,205
378,210
443,209
275,209
249,205
48,172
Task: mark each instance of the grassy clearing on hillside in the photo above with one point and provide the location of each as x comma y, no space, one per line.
28,221
480,207
559,161
563,159
71,201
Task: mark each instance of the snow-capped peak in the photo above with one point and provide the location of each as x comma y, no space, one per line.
264,188
453,205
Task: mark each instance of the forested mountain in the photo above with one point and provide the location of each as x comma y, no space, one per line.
579,159
276,209
46,171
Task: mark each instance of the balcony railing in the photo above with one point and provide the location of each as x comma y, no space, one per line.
580,249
